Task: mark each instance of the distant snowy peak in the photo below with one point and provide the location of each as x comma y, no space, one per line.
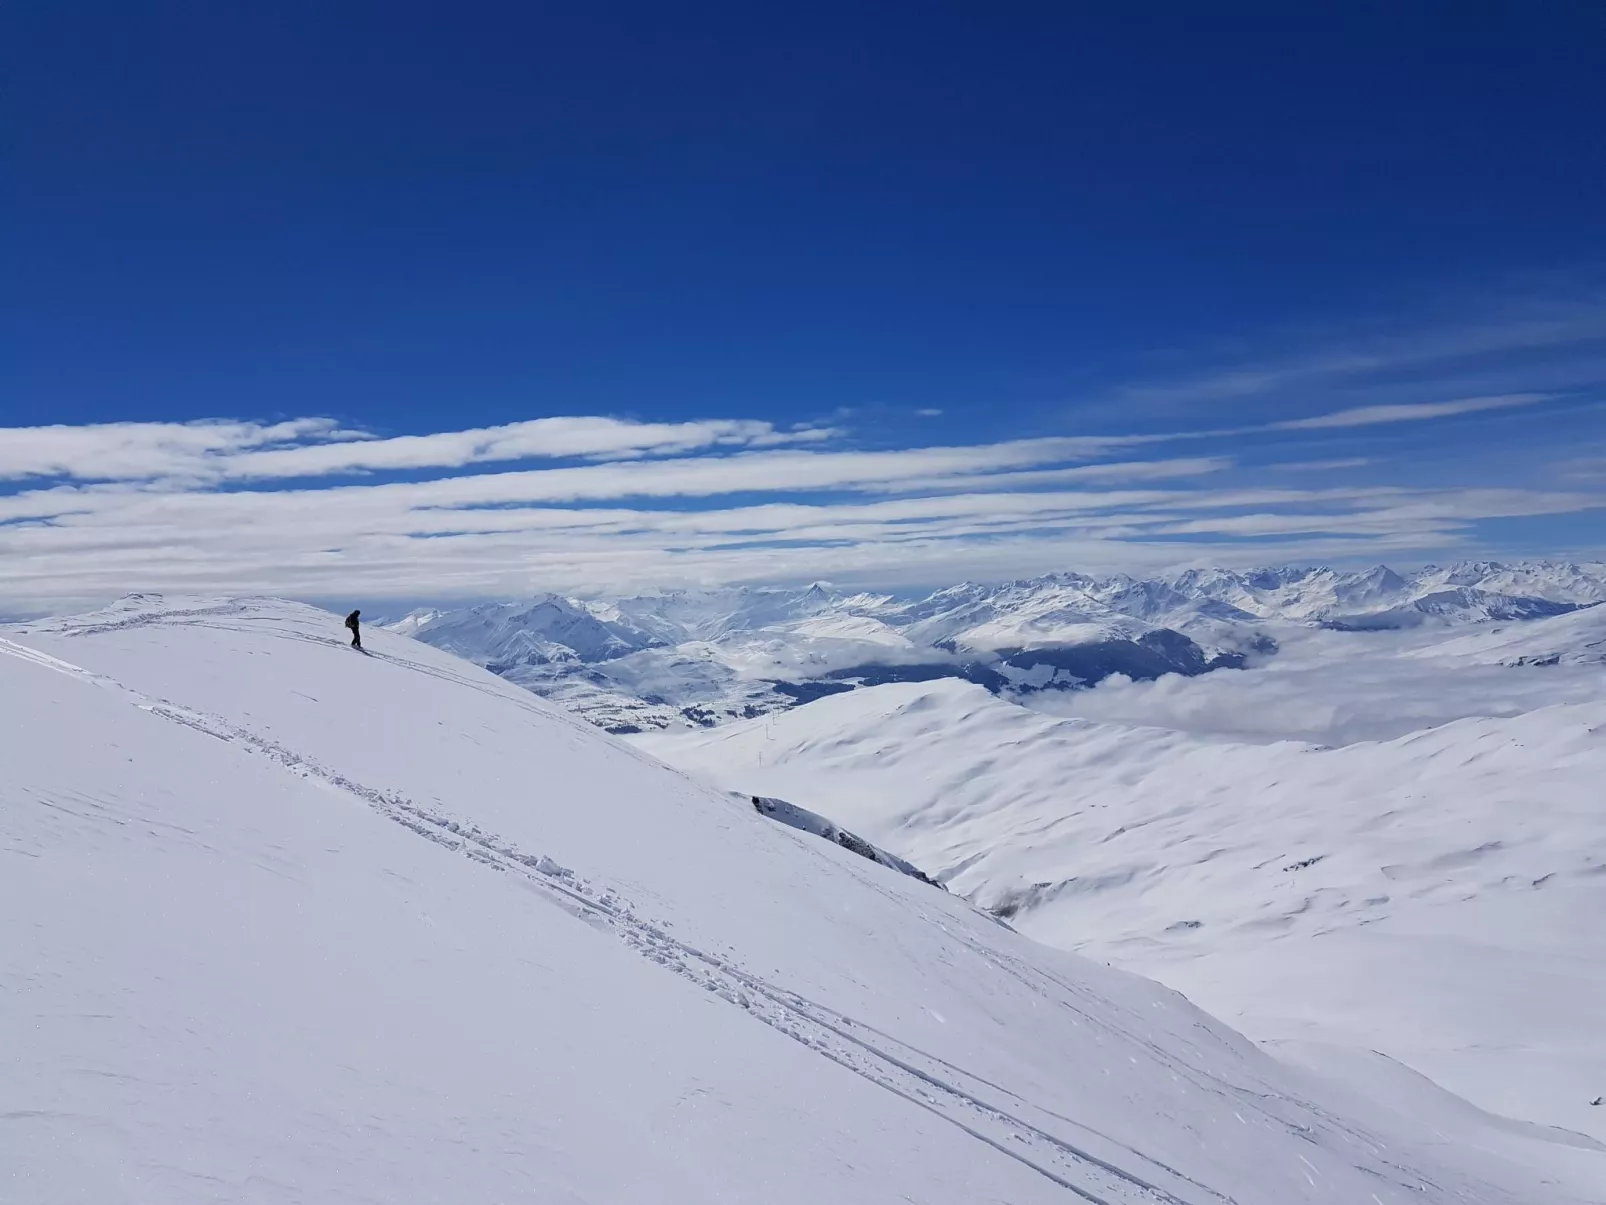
1297,595
851,627
1461,604
1469,592
681,657
546,628
1561,582
1053,614
708,614
413,621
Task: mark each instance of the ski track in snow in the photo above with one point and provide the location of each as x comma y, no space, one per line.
983,1110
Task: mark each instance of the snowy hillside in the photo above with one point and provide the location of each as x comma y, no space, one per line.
1577,638
285,922
1433,893
683,659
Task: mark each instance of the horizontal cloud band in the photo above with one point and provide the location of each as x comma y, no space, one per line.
232,507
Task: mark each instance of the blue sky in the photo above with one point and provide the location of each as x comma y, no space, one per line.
439,301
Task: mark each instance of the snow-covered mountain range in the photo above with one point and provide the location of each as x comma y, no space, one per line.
682,659
287,922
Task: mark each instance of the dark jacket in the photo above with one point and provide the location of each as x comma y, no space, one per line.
351,620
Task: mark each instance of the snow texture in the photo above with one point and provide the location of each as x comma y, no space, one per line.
286,923
1432,893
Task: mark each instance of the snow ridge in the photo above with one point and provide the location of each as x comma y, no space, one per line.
980,1109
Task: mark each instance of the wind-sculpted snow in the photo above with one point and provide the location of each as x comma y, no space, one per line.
288,923
686,659
811,822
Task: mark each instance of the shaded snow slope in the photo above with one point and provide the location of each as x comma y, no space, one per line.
1435,897
1575,639
782,812
288,923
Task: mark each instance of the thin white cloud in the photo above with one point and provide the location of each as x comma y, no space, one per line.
140,451
1324,466
1435,511
1582,468
183,507
221,450
394,540
542,438
1572,327
1370,416
1130,470
1335,420
747,472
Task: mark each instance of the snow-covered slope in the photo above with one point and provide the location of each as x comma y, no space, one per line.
288,923
1435,897
679,659
1578,638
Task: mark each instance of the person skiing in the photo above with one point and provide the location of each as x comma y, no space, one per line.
356,636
